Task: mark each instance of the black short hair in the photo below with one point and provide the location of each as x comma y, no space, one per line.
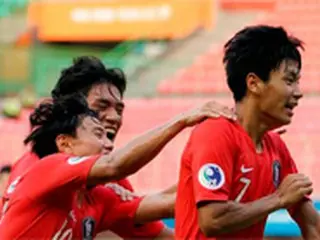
84,73
5,168
257,49
50,119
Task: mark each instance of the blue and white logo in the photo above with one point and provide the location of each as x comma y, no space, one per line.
211,176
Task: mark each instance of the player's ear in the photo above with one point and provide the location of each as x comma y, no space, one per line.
254,84
64,143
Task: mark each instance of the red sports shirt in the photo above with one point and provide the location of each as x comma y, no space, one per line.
98,209
40,201
22,164
220,163
124,228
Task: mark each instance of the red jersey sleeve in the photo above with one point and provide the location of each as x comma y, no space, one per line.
57,172
211,150
120,218
22,164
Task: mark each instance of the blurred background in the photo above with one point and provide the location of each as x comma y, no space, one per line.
171,51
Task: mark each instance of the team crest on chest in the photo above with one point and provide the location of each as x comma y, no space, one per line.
276,172
88,225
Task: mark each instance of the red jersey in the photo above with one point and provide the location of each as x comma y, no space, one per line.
149,230
220,163
23,164
40,200
100,209
96,209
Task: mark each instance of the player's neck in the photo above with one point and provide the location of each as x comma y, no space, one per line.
249,119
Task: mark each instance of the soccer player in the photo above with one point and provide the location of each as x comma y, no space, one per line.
104,89
75,154
233,174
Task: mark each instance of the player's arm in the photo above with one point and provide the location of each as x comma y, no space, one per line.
140,151
165,234
218,215
155,207
303,212
152,207
130,214
171,189
308,219
227,216
231,216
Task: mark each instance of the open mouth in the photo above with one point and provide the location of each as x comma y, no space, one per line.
111,133
289,108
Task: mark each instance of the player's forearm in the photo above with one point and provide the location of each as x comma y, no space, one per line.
166,234
308,220
311,233
172,189
156,207
141,150
235,216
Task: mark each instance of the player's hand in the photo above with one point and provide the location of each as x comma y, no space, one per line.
210,109
293,188
123,193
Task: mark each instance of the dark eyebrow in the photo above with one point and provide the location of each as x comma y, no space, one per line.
291,73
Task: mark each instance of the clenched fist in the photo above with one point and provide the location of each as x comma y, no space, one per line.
293,188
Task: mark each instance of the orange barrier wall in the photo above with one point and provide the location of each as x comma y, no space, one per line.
119,20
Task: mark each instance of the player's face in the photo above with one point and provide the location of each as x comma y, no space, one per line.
281,94
107,101
90,139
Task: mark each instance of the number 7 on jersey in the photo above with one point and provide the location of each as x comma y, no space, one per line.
246,182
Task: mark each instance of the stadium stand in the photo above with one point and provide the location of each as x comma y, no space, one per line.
206,74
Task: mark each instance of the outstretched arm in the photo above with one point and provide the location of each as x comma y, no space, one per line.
153,207
156,207
140,151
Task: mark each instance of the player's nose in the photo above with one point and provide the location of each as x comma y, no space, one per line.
107,146
297,93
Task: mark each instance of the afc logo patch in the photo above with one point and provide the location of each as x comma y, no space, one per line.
88,225
276,167
211,176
